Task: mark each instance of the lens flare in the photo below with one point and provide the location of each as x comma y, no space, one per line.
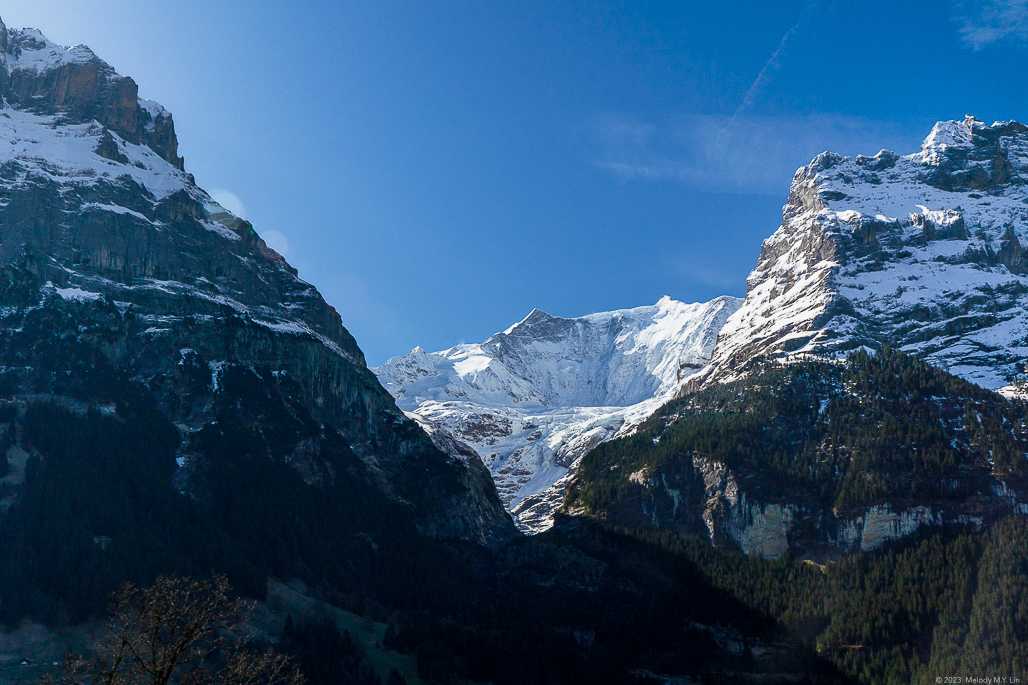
230,202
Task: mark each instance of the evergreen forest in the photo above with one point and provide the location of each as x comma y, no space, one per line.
598,598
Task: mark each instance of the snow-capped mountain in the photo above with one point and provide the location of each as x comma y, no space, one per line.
922,251
108,247
535,398
74,87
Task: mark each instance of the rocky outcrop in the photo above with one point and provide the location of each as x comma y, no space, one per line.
1010,254
923,252
699,496
757,529
971,156
704,498
944,225
881,523
108,149
74,84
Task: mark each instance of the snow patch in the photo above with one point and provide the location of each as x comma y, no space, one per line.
77,294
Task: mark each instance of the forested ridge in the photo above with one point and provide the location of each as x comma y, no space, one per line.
100,502
875,428
948,600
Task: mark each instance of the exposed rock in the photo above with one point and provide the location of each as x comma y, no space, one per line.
104,233
971,157
444,440
731,517
904,258
108,149
880,162
944,225
1010,253
764,530
880,524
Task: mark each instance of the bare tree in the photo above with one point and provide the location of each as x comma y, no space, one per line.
166,633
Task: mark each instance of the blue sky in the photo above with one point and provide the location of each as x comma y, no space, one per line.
437,169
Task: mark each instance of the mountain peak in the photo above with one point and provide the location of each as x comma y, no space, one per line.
952,133
75,86
534,317
534,399
970,155
924,252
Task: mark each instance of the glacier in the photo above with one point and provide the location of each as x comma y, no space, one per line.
534,399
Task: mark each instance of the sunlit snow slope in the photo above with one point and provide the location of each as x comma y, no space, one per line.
535,398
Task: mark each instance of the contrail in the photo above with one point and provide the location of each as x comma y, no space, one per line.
774,64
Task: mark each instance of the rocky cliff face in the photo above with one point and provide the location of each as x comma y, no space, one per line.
106,242
816,458
535,398
923,251
76,86
704,498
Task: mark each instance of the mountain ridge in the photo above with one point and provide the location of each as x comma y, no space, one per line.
923,252
533,399
881,267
